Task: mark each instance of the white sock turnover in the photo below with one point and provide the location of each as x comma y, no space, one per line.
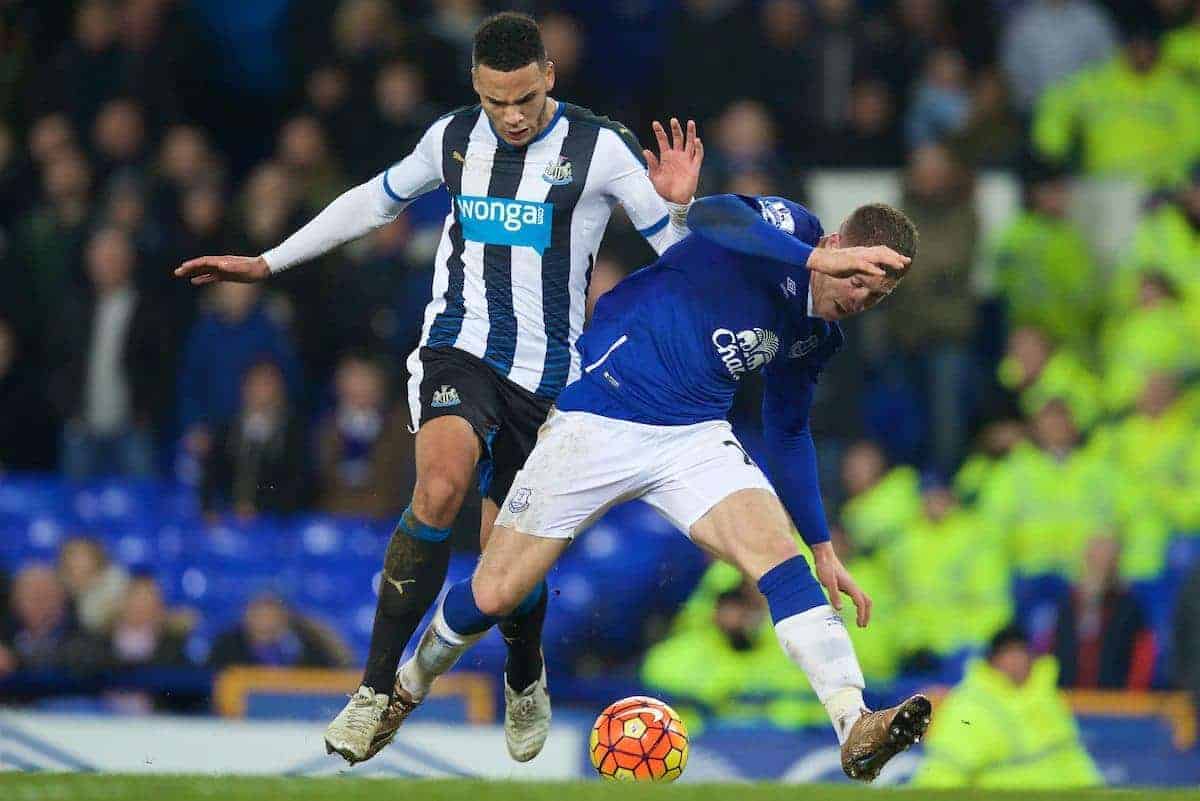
818,642
438,651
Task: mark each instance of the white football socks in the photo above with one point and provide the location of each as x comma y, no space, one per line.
818,642
438,651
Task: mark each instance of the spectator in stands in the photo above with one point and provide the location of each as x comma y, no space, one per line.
44,633
973,742
878,503
783,50
142,634
1158,447
124,207
1131,116
235,331
878,646
934,318
1042,266
994,443
1034,370
16,184
869,138
185,159
365,451
446,49
202,227
271,635
26,431
730,668
259,462
111,382
992,136
1167,240
51,239
1101,639
398,118
1047,41
1181,49
746,141
96,586
700,38
270,209
304,151
88,68
377,303
367,33
1158,335
941,101
563,38
327,92
841,56
119,138
1052,496
947,540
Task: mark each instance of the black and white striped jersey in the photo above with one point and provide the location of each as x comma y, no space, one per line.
517,247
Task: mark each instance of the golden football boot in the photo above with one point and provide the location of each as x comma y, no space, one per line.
876,737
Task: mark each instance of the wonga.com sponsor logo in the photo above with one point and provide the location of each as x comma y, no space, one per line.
503,221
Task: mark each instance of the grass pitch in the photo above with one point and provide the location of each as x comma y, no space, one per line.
94,787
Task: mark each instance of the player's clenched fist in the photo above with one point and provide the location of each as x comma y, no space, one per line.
239,269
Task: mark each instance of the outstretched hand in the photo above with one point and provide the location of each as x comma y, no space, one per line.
837,580
675,171
238,269
847,262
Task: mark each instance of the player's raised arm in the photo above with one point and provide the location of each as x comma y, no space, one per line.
657,190
352,214
745,225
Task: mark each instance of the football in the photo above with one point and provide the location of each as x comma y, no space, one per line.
639,739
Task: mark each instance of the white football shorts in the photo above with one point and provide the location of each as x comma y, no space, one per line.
584,464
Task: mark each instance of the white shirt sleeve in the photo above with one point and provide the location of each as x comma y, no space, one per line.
367,206
662,224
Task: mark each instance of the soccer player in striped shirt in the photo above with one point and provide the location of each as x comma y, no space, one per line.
532,181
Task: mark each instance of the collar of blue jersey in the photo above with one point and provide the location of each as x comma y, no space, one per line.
561,107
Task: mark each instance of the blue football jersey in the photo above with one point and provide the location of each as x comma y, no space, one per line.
668,345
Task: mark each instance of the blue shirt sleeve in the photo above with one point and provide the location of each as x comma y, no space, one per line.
791,454
731,222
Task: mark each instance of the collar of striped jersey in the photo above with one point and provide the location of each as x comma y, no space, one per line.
558,113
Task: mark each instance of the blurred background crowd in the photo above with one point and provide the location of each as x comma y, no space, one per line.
1015,438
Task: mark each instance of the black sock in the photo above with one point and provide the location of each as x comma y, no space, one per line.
523,636
419,568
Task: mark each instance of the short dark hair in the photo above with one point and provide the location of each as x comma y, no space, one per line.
881,224
1010,635
508,41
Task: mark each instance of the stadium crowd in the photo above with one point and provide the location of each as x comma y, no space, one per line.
1018,441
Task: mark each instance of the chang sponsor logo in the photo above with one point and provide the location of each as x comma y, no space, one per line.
745,351
503,221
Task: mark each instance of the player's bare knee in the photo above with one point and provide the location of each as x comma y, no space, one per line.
493,598
437,499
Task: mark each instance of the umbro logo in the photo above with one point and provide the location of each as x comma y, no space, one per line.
446,396
789,288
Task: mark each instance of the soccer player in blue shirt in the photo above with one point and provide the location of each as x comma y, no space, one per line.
755,286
